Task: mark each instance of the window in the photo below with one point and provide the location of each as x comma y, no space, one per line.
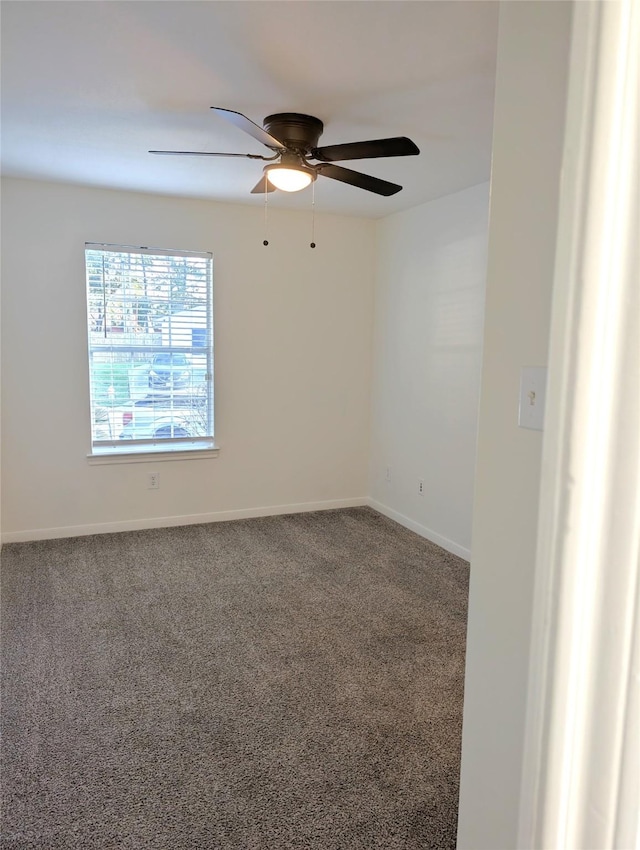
150,326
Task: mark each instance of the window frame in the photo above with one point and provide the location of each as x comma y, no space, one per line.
154,448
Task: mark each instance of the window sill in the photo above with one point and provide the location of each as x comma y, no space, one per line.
137,455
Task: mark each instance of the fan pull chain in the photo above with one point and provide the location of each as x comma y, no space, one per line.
265,241
312,244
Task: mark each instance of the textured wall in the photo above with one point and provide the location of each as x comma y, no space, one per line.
293,348
533,54
429,308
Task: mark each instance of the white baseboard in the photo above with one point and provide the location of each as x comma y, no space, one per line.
422,530
223,516
167,521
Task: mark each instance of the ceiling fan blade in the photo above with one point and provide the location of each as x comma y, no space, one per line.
243,123
362,181
263,186
206,153
398,146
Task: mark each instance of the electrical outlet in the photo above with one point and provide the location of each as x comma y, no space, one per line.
420,487
388,475
153,481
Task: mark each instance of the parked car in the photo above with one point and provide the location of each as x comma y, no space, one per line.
161,416
169,369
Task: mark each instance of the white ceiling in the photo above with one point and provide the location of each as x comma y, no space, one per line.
89,87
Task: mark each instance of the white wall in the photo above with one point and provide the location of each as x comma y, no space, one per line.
429,307
293,343
533,54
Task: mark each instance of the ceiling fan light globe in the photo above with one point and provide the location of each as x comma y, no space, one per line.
289,179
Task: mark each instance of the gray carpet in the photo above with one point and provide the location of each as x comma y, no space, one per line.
287,682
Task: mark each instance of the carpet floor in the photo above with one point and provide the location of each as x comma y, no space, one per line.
263,684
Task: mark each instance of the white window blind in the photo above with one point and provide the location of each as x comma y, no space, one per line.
150,328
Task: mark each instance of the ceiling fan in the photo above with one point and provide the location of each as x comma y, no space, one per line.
293,138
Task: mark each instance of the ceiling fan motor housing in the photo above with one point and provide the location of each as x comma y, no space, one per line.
300,132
